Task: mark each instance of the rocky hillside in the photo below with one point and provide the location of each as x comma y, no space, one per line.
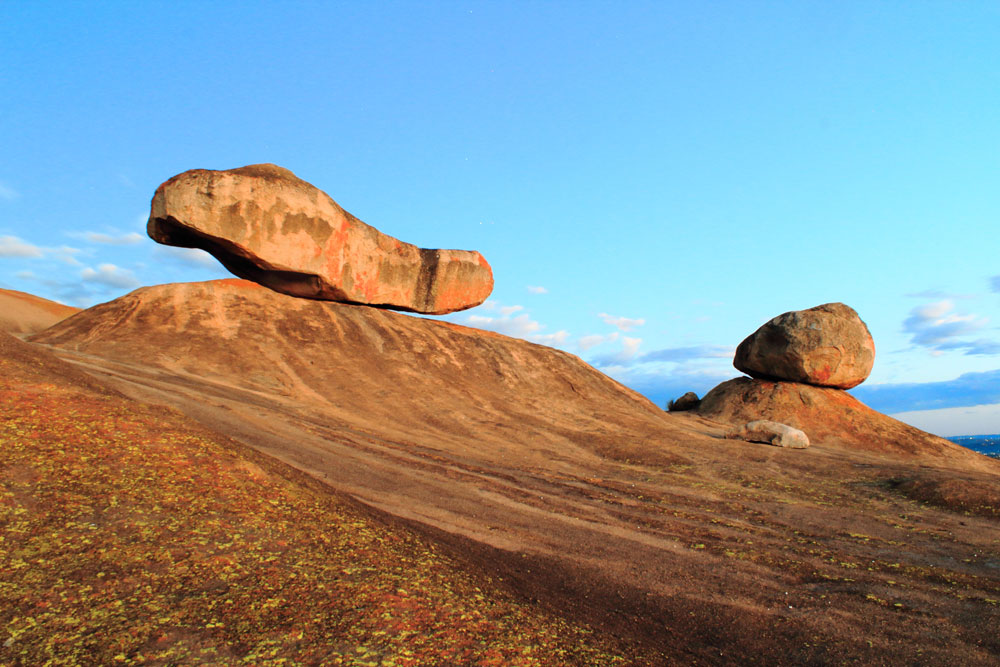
574,490
134,536
397,376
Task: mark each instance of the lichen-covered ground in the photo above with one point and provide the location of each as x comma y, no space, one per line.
129,536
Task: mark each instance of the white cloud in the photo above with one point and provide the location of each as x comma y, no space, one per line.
975,388
74,292
969,420
557,338
11,246
624,357
684,354
932,312
130,238
982,346
494,306
65,254
190,256
509,324
7,192
521,326
110,275
938,327
509,310
537,289
623,323
587,342
713,360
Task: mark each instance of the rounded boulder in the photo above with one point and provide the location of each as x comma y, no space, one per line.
826,346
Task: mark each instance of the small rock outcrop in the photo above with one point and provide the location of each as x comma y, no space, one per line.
800,363
265,224
829,417
770,433
826,346
688,401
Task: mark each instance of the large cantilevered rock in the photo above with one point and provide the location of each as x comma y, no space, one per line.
267,225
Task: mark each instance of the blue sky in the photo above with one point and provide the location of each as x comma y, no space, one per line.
650,181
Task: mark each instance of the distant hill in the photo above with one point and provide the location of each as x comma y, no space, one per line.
22,313
984,444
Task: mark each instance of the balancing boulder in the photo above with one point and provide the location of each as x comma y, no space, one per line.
267,225
826,346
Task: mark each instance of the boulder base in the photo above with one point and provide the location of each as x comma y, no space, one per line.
267,225
827,346
832,418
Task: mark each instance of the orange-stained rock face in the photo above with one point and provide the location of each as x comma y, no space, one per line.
827,346
267,225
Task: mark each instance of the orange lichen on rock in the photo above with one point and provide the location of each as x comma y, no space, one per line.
267,225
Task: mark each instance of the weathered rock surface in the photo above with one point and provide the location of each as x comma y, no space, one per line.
267,225
532,466
770,433
686,402
22,313
406,378
830,417
827,346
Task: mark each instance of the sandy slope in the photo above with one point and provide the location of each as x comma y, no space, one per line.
21,312
534,466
